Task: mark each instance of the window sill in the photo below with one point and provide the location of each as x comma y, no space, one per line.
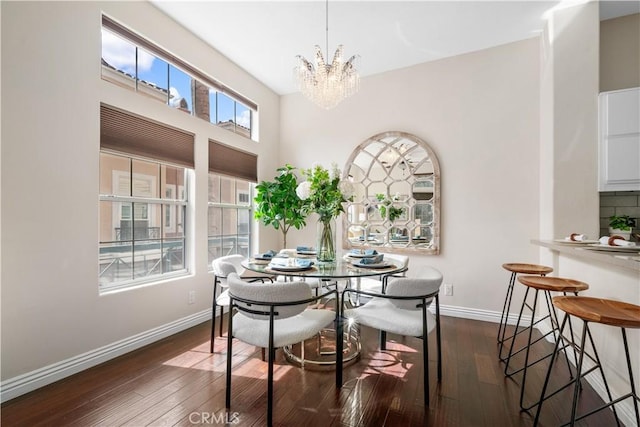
113,288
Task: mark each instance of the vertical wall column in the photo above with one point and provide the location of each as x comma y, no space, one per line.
569,122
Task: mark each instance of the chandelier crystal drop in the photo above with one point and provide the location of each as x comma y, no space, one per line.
327,84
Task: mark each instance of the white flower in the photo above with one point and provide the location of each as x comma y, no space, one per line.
335,172
346,188
303,190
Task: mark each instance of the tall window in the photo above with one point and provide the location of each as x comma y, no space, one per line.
232,173
142,212
130,61
144,176
229,225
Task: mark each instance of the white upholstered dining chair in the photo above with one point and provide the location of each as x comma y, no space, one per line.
377,283
272,316
402,310
222,268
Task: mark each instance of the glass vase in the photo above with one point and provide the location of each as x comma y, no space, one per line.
326,240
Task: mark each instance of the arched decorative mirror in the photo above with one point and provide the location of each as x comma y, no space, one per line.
396,203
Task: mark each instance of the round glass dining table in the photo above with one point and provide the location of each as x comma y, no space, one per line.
342,268
320,353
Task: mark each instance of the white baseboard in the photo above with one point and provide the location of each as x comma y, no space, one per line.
30,381
478,314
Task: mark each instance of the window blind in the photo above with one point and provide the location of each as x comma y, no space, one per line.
230,161
129,133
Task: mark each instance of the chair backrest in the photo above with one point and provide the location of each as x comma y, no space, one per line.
226,265
277,292
401,260
428,284
288,252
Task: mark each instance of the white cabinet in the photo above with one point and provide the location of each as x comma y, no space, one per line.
619,146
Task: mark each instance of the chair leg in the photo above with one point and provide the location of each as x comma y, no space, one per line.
383,340
229,354
213,314
272,356
339,343
221,314
213,323
425,354
438,338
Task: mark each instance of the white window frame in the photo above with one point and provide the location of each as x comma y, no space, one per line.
153,204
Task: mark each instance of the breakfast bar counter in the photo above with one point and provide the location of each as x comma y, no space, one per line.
610,275
616,260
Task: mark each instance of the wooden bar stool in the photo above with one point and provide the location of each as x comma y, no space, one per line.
607,312
546,285
515,269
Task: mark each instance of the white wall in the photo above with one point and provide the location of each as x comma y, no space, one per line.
51,92
569,119
479,112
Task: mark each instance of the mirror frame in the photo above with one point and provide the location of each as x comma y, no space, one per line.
434,247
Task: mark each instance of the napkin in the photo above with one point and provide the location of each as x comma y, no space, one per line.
268,254
615,241
303,262
291,262
575,237
377,259
364,252
304,248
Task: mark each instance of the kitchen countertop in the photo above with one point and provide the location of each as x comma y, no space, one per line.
618,259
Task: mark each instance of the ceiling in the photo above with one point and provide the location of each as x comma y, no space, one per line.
264,37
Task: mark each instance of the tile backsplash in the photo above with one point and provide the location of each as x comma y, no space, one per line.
619,203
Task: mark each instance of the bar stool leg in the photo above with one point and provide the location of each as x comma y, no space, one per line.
513,338
604,379
526,354
574,406
554,321
576,381
505,310
546,379
634,394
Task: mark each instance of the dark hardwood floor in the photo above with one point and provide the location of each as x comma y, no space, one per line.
177,381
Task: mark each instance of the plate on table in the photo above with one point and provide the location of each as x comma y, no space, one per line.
354,255
572,242
290,267
600,247
262,258
382,264
307,252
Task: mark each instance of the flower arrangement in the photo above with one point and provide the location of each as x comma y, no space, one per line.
324,194
386,203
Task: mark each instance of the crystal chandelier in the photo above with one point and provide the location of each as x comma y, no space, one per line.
327,84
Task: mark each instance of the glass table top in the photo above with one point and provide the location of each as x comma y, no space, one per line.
342,268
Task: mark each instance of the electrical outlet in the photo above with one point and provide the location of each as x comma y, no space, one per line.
448,290
192,297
